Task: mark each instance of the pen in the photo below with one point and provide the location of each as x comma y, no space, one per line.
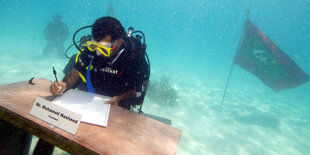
54,72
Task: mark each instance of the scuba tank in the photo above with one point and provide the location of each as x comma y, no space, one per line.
139,48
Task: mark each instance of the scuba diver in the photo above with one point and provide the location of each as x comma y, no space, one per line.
56,32
111,62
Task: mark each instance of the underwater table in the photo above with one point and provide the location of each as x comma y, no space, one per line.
126,133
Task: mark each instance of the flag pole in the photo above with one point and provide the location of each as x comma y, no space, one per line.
232,64
227,82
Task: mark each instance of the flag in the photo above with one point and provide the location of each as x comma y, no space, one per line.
263,58
110,11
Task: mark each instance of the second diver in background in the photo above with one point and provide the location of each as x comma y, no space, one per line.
56,32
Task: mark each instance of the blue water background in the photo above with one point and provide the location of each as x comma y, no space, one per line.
193,43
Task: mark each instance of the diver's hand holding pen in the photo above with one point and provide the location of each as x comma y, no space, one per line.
57,87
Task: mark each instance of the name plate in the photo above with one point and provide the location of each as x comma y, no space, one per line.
56,115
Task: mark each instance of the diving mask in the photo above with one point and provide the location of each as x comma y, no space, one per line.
101,48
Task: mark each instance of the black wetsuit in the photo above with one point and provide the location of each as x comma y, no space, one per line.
136,71
110,76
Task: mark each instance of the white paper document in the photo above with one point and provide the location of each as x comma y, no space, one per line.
91,106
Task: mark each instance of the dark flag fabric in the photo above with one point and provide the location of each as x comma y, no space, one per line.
263,58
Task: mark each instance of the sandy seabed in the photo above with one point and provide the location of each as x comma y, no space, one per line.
252,120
